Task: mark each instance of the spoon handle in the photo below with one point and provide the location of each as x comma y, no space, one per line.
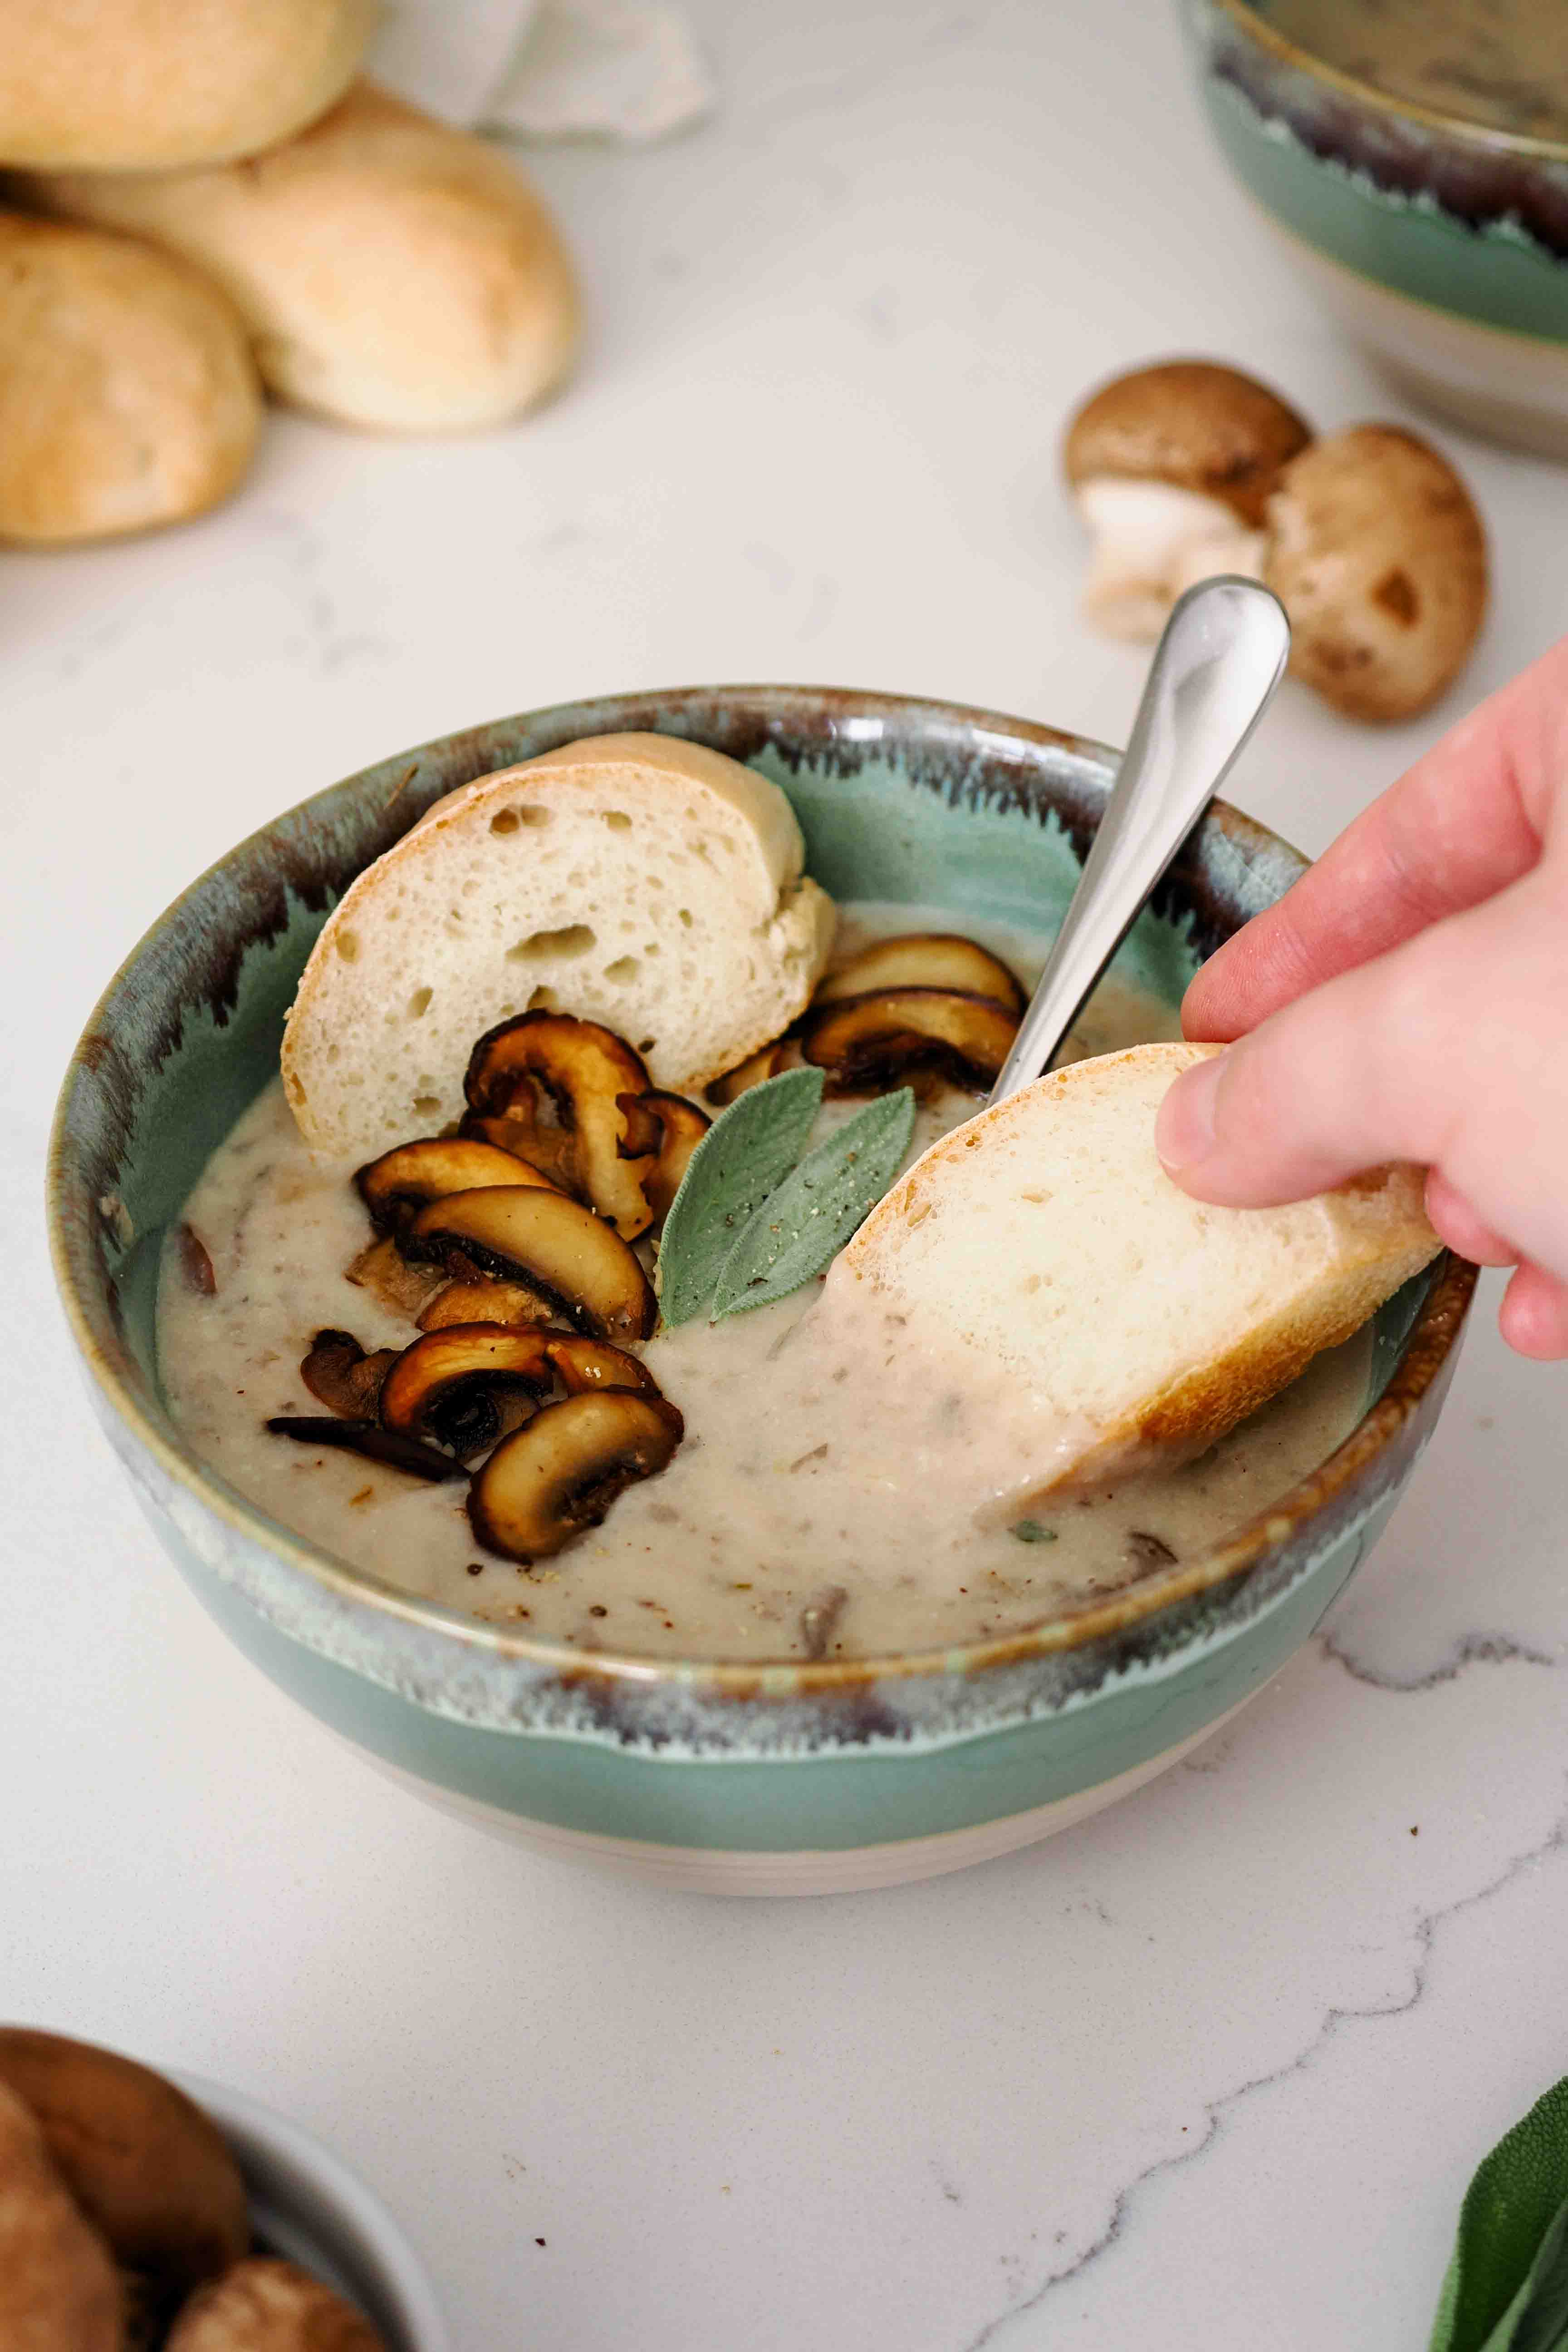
1213,676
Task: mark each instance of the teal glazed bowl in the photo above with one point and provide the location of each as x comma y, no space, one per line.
793,1777
1440,243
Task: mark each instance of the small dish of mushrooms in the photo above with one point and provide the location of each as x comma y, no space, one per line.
142,2213
1368,536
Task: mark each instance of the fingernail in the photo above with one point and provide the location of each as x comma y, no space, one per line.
1184,1130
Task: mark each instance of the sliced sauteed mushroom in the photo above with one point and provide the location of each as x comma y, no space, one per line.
581,1068
669,1126
395,1187
337,1372
551,1151
548,1243
924,960
765,1063
587,1364
367,1437
550,1481
450,1385
485,1300
386,1273
867,1043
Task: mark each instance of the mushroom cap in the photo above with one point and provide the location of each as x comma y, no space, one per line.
1379,556
1193,424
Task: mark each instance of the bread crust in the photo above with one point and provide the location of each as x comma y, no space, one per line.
147,85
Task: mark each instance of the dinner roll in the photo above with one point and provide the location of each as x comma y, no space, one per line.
393,272
138,85
127,392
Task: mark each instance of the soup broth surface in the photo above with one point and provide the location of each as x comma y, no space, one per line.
787,1525
1501,62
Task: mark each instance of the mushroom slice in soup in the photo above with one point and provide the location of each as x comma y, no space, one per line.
583,1070
551,1245
549,1482
924,960
764,1063
395,1187
340,1375
671,1128
453,1385
367,1437
486,1299
585,1365
868,1043
386,1273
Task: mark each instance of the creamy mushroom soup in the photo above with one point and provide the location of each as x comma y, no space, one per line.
796,1520
1502,62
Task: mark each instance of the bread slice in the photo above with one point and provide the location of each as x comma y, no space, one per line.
1039,1257
637,880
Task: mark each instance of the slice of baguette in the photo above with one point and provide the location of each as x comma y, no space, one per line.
1040,1256
637,880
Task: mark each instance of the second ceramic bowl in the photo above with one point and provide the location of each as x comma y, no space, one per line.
790,1777
1439,243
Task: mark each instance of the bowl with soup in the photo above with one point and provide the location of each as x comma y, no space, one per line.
740,1676
1413,157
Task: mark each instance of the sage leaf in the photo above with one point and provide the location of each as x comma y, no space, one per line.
1507,2284
744,1156
807,1222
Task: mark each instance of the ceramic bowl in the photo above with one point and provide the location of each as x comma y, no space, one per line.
762,1778
1440,244
307,2206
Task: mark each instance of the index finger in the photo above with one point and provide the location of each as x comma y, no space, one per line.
1467,820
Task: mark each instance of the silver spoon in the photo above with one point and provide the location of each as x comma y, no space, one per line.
1213,677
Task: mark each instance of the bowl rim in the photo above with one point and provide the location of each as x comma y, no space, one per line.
1245,15
1426,1348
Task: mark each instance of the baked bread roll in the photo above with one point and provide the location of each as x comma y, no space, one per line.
143,85
128,395
637,880
393,272
1040,1256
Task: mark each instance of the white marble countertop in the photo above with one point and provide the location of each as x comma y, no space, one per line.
1211,2071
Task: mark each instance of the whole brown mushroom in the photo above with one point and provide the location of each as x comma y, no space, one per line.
1378,554
264,2306
1171,467
145,2164
59,2291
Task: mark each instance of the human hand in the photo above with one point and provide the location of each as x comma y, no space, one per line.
1408,1000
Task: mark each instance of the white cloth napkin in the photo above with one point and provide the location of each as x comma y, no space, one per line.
547,68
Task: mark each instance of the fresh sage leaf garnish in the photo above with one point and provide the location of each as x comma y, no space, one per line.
807,1222
1032,1531
744,1156
1507,2286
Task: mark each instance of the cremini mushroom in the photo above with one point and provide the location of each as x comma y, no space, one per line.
924,960
152,2173
453,1385
552,1245
672,1128
386,1273
1378,554
395,1187
1171,467
869,1043
486,1299
265,2305
546,1483
338,1374
766,1063
550,1150
59,2289
583,1365
582,1069
369,1438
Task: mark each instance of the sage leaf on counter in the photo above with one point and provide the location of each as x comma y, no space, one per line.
1507,2286
744,1156
805,1223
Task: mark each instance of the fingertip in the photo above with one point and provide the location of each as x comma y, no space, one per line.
1184,1128
1456,1223
1534,1317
